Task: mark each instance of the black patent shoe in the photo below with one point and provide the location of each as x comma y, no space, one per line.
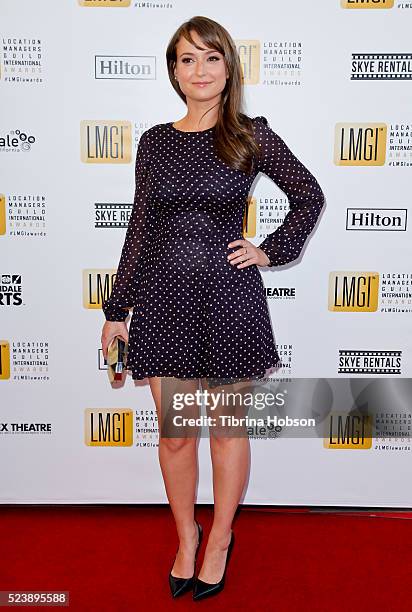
203,589
179,586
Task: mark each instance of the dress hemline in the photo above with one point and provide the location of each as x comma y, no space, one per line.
259,374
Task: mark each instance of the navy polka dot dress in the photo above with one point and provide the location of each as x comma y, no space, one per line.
195,314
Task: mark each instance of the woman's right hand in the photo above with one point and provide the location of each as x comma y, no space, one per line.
110,330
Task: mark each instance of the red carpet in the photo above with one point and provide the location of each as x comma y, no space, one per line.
117,558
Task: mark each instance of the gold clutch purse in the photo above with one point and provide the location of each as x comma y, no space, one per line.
116,358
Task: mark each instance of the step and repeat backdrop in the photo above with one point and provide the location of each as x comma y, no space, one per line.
80,81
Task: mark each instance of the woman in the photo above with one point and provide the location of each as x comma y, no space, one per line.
199,305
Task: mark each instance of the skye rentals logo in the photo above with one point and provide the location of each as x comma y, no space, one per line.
360,144
97,287
105,142
108,427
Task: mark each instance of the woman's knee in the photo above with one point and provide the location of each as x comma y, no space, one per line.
177,444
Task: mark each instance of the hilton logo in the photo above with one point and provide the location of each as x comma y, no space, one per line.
377,219
128,67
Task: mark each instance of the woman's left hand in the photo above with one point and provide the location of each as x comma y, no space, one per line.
248,255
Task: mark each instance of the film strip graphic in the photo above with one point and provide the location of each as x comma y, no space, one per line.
400,66
382,355
109,206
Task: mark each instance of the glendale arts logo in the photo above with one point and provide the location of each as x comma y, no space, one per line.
16,141
10,290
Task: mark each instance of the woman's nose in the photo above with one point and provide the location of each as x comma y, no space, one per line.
200,69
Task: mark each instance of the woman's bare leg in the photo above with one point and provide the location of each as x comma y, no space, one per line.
178,463
230,462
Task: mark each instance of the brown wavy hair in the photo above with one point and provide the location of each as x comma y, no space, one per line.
234,140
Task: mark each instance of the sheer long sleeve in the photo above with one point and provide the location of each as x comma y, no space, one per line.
122,297
304,194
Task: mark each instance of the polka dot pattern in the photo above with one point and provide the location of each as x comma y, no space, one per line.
194,314
304,193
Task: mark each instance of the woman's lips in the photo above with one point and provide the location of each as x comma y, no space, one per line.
201,84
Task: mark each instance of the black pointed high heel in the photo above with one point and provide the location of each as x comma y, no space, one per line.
179,586
203,589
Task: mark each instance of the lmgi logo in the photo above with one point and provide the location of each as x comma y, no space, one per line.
249,55
108,427
360,144
4,360
366,4
104,3
249,218
97,287
106,142
353,291
352,431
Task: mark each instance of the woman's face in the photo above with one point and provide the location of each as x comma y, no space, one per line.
201,73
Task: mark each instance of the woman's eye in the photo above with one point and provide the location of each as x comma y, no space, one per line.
185,60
